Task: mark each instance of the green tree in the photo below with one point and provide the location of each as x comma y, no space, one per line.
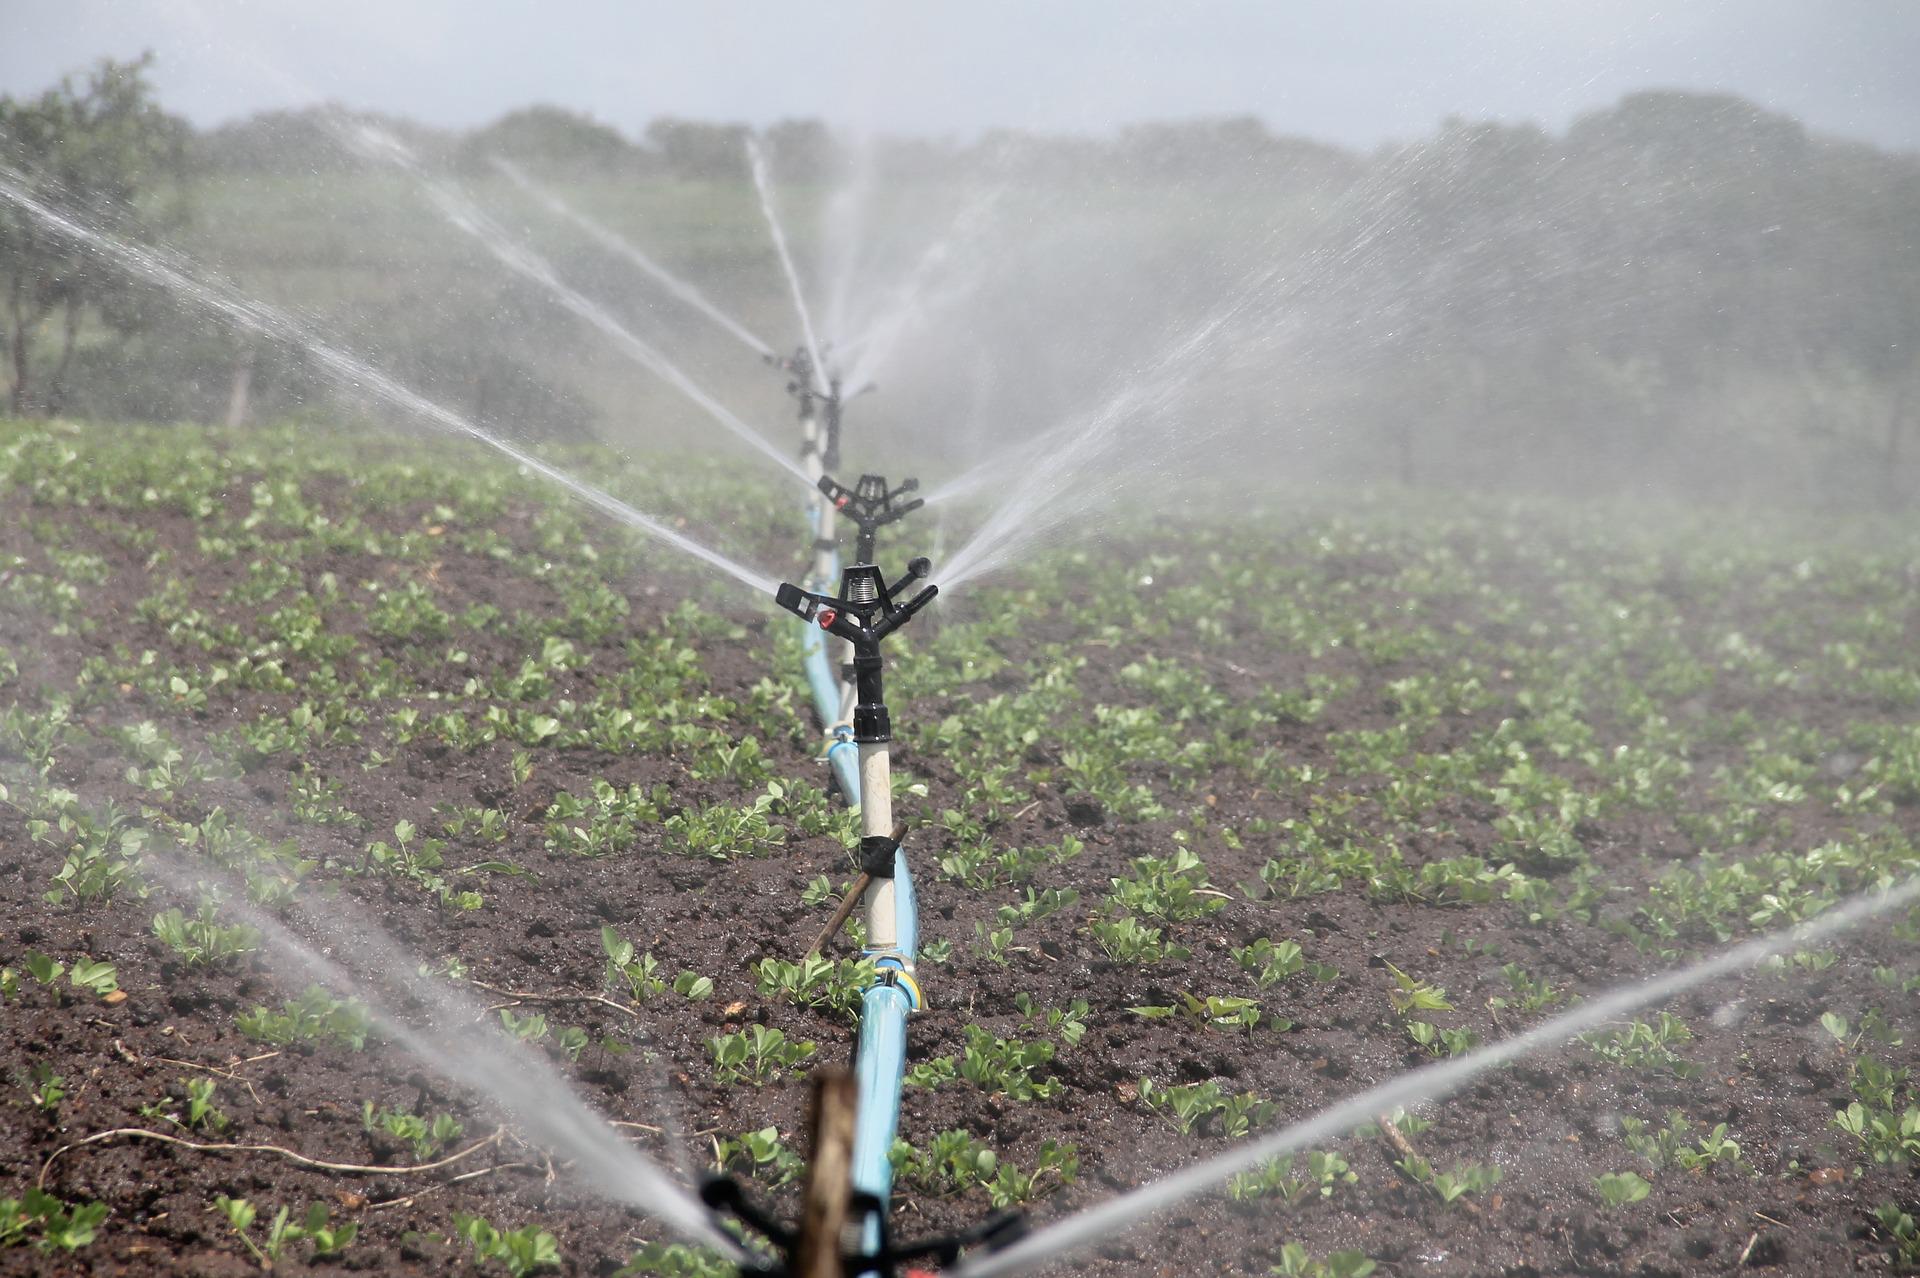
99,150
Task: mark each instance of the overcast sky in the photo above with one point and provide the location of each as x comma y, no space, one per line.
1352,71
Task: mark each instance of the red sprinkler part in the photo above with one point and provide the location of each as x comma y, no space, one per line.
826,617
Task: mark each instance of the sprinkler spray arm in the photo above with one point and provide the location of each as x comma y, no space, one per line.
871,506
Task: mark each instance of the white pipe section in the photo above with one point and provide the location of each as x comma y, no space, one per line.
876,820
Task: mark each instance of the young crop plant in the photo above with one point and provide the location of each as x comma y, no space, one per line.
1172,889
1293,1180
1272,962
1621,1189
817,982
761,1154
50,1224
1531,993
282,1231
422,1136
520,1251
677,1260
1896,1225
1127,940
757,1055
953,1162
1068,1024
723,831
607,822
1646,1045
196,1112
315,1016
1450,1186
1297,1262
1675,1146
1188,1106
201,939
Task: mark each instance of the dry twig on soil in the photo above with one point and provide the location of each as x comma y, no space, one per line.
317,1164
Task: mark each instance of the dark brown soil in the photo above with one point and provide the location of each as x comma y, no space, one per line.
1800,1205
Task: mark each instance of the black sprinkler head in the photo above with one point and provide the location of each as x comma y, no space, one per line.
870,505
863,613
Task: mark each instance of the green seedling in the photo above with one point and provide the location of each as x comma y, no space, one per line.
1675,1146
314,1016
953,1161
50,1223
1127,940
424,1137
46,1090
836,985
1619,1189
760,1153
677,1260
202,939
635,975
1297,1262
1188,1106
282,1231
1646,1045
1410,995
1899,1229
520,1251
757,1055
1316,1177
1451,1186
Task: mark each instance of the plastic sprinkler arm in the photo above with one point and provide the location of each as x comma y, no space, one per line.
870,505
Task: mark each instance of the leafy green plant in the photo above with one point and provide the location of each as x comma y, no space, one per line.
953,1161
1450,1186
817,982
1316,1177
761,1153
756,1055
1675,1145
282,1231
51,1224
312,1016
422,1136
1619,1189
520,1251
624,969
677,1260
1188,1106
1127,940
202,939
1297,1262
1171,889
1899,1229
1646,1045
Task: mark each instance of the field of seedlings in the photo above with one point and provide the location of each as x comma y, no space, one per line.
1214,823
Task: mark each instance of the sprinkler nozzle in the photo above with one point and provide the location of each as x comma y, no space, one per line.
871,505
863,613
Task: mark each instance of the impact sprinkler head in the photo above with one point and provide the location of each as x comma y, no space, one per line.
863,614
870,505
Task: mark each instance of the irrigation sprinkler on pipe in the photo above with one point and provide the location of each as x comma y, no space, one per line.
870,505
864,613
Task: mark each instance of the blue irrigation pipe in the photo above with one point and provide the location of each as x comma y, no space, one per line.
880,1061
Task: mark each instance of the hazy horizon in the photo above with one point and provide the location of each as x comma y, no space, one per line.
1357,77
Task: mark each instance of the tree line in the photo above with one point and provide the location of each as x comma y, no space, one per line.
1681,280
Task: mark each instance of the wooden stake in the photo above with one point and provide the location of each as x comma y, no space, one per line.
823,1210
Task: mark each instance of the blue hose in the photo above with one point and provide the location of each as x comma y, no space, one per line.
881,1060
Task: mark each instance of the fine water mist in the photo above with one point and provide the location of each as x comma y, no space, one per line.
463,1044
1423,1085
377,144
632,253
355,374
763,184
